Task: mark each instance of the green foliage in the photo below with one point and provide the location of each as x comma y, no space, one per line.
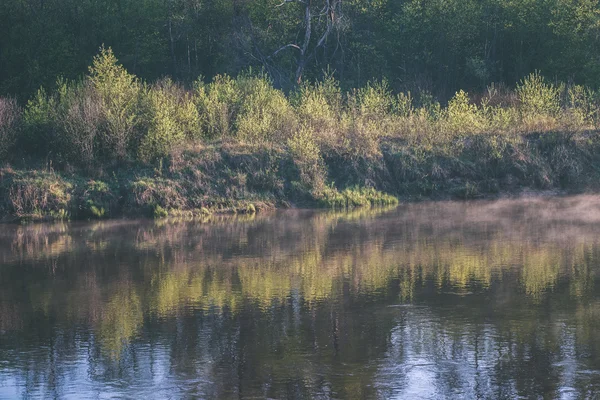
172,117
98,200
119,94
265,113
463,116
376,100
306,154
537,96
38,124
319,105
582,103
218,105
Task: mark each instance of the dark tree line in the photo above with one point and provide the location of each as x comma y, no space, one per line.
438,45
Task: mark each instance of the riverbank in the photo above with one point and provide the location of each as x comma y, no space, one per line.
231,177
111,145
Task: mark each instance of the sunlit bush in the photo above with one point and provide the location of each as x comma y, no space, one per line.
218,104
463,116
171,117
265,112
119,92
538,97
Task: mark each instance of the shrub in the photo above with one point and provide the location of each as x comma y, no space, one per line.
462,116
538,97
581,104
10,120
404,105
119,94
78,121
218,104
319,106
97,200
376,101
265,113
171,117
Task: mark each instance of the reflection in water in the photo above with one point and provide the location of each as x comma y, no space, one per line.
482,299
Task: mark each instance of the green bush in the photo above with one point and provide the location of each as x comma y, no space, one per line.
218,105
306,154
463,116
319,106
376,101
119,94
171,117
537,96
265,112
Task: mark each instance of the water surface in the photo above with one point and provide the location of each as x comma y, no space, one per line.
437,300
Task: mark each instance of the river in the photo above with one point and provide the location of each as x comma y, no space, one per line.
485,299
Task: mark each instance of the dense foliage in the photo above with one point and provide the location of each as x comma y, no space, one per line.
438,45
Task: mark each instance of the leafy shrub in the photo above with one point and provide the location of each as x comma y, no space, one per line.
218,104
581,104
171,117
319,107
10,120
538,97
404,105
119,94
97,200
463,117
376,100
265,112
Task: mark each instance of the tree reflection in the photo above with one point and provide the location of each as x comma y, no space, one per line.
461,298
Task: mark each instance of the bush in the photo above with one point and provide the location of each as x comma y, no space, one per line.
119,93
376,101
218,104
171,117
78,121
265,113
10,120
462,116
581,104
538,97
307,157
319,108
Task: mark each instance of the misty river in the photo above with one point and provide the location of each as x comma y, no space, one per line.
482,299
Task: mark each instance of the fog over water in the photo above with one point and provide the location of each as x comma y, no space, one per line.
486,299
